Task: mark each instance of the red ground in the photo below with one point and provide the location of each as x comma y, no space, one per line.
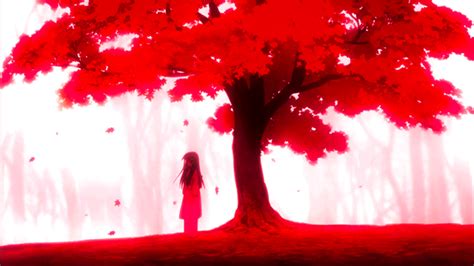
406,244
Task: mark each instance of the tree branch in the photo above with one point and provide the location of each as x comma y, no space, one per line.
168,12
276,102
213,13
284,95
358,36
297,79
213,10
320,82
202,18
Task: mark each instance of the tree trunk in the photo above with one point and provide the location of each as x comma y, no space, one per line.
253,209
463,185
438,210
418,211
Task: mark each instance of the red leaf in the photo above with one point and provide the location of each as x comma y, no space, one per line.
223,120
470,109
387,43
304,134
110,130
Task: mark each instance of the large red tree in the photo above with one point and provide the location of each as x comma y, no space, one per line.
281,63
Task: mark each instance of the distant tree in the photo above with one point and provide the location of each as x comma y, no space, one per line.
281,63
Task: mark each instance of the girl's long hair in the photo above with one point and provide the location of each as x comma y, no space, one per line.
188,170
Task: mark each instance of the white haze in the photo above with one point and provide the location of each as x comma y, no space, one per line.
78,169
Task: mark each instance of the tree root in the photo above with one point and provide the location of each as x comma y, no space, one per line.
264,222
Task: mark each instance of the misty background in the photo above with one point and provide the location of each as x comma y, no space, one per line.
108,171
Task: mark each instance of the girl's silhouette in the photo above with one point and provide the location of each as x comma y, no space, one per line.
191,183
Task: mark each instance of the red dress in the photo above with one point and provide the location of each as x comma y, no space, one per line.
191,205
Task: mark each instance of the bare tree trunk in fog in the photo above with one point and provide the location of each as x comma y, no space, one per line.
316,215
73,214
42,188
3,158
356,173
384,157
15,163
387,168
418,211
325,189
147,211
323,198
438,202
3,169
155,127
463,186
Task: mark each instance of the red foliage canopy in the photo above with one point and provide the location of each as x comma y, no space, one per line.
356,55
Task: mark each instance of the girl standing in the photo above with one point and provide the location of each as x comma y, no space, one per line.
191,183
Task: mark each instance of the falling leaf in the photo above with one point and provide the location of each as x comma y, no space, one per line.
273,159
111,233
217,190
117,203
32,159
174,202
110,130
298,190
186,122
